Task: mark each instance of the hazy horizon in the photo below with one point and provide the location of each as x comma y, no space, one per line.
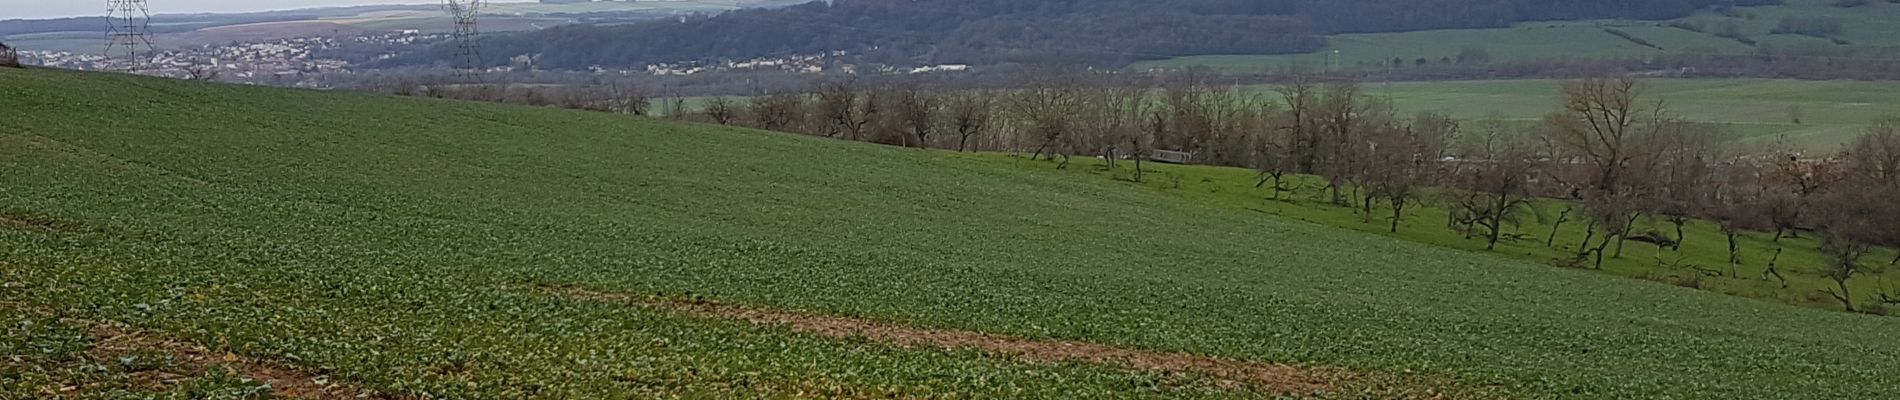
41,9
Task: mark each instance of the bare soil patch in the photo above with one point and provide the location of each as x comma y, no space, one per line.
111,342
1279,379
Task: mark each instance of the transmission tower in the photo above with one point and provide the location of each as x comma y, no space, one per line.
128,32
468,51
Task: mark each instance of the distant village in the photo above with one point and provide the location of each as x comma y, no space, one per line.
284,62
303,62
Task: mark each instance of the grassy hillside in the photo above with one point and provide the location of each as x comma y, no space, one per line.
1832,112
1872,25
398,245
1761,110
1702,262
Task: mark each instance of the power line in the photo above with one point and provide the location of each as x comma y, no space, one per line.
128,27
468,50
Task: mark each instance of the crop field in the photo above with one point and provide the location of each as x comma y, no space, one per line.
1865,26
400,247
1831,112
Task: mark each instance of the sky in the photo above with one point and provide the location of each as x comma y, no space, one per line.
31,9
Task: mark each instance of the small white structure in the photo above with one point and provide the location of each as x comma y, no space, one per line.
1172,157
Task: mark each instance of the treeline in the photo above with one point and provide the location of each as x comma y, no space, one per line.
1613,158
1100,32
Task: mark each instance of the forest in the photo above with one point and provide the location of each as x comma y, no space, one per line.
1099,32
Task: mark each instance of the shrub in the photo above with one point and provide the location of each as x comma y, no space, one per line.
1824,27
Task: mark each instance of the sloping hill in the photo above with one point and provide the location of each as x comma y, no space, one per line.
405,246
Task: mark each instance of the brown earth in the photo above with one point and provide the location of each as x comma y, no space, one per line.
111,342
1279,379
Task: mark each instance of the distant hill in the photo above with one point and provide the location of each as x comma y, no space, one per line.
1103,32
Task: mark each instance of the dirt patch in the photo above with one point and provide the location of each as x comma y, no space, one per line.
29,221
112,342
1280,379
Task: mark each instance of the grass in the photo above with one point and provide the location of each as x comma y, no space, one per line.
1705,250
1832,112
1759,110
393,243
1866,26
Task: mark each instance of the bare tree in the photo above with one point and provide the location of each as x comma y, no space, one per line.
783,111
845,106
1049,105
1602,124
971,114
1340,144
629,99
721,111
919,108
1846,222
1493,176
1682,174
1405,159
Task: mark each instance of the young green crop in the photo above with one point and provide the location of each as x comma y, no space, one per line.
395,244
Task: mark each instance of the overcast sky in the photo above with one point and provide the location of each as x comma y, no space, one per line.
17,9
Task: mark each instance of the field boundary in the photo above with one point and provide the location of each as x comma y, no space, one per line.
1275,378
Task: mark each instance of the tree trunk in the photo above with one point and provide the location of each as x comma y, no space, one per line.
1734,253
1333,184
1773,270
1496,230
1365,211
1561,219
1679,221
1589,233
1847,299
1398,210
1625,235
963,143
1602,247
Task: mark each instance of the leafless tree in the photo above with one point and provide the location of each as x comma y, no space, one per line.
1682,172
971,114
629,99
1049,105
919,110
783,111
1492,178
843,103
1405,159
721,111
1603,124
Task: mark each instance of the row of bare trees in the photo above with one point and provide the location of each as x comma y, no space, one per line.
1620,159
1621,165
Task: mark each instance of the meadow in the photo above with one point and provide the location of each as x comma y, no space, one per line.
400,245
1865,26
1761,111
1538,237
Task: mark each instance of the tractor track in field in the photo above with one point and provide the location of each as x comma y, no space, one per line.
113,341
1278,379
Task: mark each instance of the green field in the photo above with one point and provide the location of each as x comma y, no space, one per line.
399,245
1867,26
1832,112
1760,110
